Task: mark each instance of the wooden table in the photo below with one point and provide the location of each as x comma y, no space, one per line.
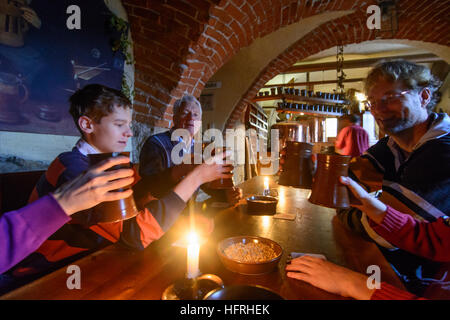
116,273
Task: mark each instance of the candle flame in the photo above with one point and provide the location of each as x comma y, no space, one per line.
266,183
192,237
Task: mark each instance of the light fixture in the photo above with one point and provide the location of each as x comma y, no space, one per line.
360,96
340,69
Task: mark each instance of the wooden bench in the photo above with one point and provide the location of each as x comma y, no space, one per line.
15,189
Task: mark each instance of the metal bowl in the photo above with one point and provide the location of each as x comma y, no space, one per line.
242,292
263,205
249,268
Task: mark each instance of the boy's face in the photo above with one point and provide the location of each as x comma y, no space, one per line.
113,131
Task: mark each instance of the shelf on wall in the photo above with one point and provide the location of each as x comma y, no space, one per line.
293,97
311,112
257,126
256,118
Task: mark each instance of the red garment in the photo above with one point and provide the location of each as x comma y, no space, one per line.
423,238
352,141
427,239
388,292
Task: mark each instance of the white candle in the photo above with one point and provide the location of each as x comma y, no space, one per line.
193,252
266,184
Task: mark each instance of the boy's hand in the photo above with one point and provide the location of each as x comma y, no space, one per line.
215,168
329,277
94,186
374,208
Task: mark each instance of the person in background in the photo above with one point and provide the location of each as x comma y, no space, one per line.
427,239
22,231
155,159
352,140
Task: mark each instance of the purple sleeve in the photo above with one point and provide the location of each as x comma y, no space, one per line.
24,230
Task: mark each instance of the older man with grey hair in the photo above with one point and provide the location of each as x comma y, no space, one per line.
156,157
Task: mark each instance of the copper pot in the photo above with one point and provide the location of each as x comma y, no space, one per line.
113,211
327,190
298,167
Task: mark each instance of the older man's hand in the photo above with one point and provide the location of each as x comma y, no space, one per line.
234,195
178,172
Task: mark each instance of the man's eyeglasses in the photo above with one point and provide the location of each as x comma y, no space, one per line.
387,99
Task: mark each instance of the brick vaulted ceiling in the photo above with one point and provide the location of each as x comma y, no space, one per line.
179,45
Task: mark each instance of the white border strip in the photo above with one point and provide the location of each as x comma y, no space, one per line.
420,202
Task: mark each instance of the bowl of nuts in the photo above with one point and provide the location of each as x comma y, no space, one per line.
249,255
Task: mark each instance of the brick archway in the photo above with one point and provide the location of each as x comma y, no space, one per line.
179,45
346,30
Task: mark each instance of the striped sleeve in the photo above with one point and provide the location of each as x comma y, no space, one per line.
150,224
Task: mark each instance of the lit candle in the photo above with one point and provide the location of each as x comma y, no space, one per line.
266,185
193,251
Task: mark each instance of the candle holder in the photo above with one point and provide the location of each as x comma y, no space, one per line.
192,289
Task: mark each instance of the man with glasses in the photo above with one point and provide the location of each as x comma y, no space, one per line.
410,167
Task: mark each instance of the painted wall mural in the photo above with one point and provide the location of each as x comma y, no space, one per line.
42,61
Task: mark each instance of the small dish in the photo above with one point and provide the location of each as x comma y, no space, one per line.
262,205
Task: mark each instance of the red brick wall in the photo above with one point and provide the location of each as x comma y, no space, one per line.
179,45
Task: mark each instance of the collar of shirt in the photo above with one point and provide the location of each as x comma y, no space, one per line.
85,148
439,127
185,148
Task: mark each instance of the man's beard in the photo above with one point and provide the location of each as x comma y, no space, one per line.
398,126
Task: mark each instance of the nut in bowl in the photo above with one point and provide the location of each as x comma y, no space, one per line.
249,255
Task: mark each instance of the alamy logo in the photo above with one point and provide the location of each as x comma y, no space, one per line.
74,20
373,281
73,281
233,143
374,20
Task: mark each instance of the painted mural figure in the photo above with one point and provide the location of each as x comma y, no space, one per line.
15,20
43,62
18,61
